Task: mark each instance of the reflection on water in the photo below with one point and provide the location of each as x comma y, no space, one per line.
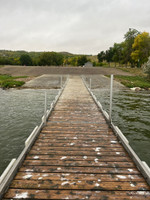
20,112
131,113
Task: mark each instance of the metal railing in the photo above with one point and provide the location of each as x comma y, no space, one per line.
141,165
10,171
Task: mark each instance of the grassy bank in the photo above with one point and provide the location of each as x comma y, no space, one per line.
133,81
137,78
7,81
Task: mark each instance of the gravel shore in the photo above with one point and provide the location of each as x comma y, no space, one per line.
33,71
50,77
103,82
46,82
54,81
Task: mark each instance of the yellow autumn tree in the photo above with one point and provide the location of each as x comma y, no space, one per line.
141,48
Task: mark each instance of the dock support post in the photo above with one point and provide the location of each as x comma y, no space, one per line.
45,107
61,82
111,94
90,83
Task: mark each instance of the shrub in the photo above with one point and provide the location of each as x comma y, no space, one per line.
147,70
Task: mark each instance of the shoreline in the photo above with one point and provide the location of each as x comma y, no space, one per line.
34,72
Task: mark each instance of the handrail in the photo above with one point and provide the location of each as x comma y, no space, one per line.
7,170
31,135
141,165
14,165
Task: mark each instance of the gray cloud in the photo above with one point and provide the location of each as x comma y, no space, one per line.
81,26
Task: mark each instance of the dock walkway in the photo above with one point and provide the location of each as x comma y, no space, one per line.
77,156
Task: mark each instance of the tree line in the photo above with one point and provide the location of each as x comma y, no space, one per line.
133,51
41,58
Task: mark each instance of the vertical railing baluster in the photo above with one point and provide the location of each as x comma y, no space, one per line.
90,83
45,107
111,94
61,82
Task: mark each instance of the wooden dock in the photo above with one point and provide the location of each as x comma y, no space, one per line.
77,156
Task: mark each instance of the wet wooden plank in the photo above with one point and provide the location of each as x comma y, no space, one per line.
78,134
73,194
79,158
76,137
79,141
80,148
93,170
77,128
79,185
39,151
93,143
85,177
72,147
91,163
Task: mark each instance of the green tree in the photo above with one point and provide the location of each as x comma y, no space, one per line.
82,60
51,58
148,69
141,47
25,59
73,61
117,53
129,40
101,56
109,55
5,61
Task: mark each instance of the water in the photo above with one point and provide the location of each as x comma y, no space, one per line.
131,113
20,112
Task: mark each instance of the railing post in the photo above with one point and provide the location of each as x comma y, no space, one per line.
90,83
61,82
111,94
45,107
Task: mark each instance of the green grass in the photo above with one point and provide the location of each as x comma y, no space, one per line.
135,71
133,81
7,81
16,77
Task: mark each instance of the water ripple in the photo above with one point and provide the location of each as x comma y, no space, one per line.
131,113
20,112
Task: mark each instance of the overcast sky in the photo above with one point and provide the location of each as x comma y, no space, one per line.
76,26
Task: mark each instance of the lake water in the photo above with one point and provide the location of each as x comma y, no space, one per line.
20,112
131,113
